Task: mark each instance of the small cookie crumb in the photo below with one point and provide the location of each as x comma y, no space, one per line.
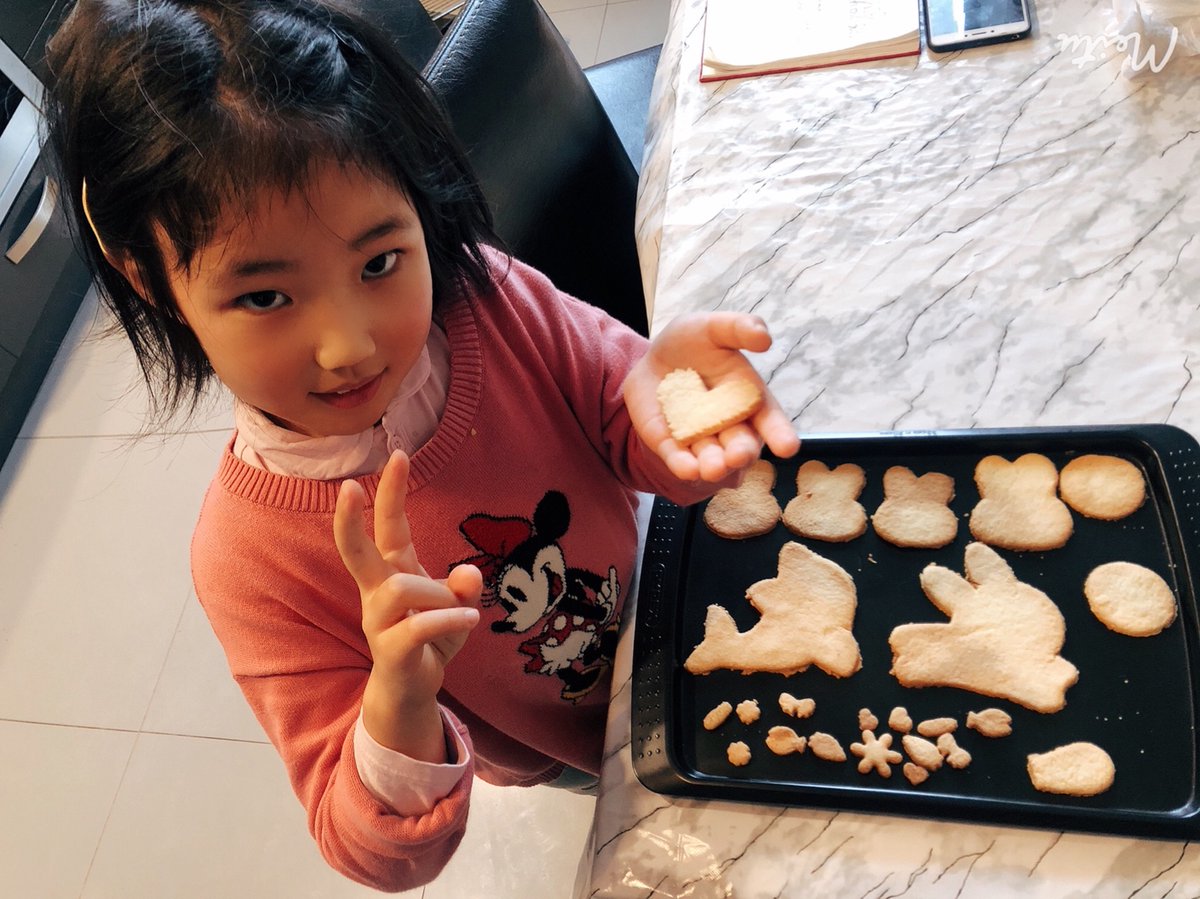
876,753
899,720
738,753
990,722
717,716
935,727
748,711
867,721
797,708
825,746
784,741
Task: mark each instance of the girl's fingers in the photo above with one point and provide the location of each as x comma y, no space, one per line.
392,534
741,444
739,331
440,624
466,583
402,596
724,330
359,553
776,429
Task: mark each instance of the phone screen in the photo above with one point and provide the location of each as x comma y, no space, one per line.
956,23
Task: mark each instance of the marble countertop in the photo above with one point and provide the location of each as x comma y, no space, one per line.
1002,237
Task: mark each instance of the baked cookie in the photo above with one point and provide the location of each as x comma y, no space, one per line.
876,753
748,510
1019,507
1077,769
826,504
826,746
718,716
784,741
807,615
922,751
748,711
915,511
797,708
990,722
1003,638
1130,599
900,720
915,774
935,727
694,410
956,756
1105,487
738,753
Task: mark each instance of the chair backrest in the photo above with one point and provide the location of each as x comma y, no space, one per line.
559,182
411,28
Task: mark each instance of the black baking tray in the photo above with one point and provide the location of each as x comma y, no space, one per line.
1135,697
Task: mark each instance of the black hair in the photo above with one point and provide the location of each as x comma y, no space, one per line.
174,111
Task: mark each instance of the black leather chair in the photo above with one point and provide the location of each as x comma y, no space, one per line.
623,86
413,32
561,184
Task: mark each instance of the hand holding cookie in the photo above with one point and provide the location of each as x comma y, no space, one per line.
413,624
711,346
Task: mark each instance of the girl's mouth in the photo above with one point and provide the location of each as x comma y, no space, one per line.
354,396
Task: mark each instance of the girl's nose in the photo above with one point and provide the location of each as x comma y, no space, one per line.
344,339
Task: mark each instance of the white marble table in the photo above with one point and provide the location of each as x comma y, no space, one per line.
1001,237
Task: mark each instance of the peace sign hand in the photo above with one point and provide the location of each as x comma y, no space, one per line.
414,624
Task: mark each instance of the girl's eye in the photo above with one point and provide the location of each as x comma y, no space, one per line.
380,265
262,300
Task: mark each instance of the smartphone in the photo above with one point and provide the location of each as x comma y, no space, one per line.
958,24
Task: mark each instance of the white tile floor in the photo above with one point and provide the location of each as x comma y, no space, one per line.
129,765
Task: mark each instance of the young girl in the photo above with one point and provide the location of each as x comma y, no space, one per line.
269,196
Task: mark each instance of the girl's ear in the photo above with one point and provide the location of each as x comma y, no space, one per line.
122,262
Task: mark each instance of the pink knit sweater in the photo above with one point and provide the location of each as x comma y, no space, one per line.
531,476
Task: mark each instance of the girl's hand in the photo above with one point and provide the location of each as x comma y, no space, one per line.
413,624
712,344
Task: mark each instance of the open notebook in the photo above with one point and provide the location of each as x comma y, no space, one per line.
758,37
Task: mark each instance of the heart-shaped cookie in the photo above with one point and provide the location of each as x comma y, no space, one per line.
693,410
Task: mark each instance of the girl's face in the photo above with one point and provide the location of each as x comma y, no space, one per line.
314,307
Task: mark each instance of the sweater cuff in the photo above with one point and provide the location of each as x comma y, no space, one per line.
405,785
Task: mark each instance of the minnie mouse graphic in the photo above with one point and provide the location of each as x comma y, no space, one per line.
569,612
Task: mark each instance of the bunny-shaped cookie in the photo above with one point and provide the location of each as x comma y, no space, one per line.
748,510
915,511
807,613
826,505
1019,507
1003,638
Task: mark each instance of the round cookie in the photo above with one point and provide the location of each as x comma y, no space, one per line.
1104,487
1130,599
